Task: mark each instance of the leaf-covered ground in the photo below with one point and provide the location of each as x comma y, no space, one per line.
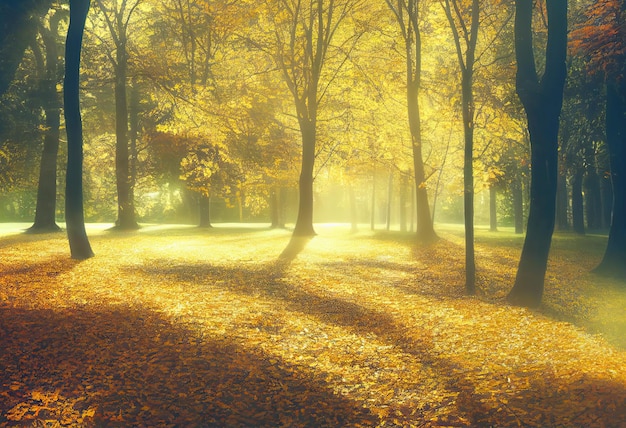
176,326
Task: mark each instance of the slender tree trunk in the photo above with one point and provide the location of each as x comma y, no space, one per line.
133,122
493,212
542,100
593,198
45,212
561,203
468,176
614,261
607,200
578,209
205,211
125,206
77,236
304,221
425,230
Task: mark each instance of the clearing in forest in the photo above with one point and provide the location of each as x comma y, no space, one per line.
239,326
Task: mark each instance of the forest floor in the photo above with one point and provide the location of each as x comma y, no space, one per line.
239,326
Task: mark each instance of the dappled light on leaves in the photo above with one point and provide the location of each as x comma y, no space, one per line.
186,327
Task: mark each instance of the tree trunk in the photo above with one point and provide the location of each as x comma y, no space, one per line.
45,213
493,212
133,122
578,210
607,200
614,261
77,236
593,198
205,211
125,206
562,222
425,230
304,221
542,101
468,176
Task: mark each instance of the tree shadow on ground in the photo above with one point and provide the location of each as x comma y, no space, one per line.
480,409
127,367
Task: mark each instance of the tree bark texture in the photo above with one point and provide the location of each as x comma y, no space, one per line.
205,211
542,100
304,221
125,206
614,261
493,209
45,212
578,209
77,235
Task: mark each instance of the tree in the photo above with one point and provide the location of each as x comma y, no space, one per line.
542,98
406,13
74,215
45,212
465,40
604,48
117,21
304,33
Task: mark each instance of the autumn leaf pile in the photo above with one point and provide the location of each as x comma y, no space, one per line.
241,327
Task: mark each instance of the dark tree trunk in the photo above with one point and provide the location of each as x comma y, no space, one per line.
562,222
304,221
542,100
77,236
518,205
614,261
205,211
45,213
493,209
578,210
607,200
593,196
125,206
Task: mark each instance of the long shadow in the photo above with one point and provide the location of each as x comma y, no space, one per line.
25,238
126,367
268,281
38,270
